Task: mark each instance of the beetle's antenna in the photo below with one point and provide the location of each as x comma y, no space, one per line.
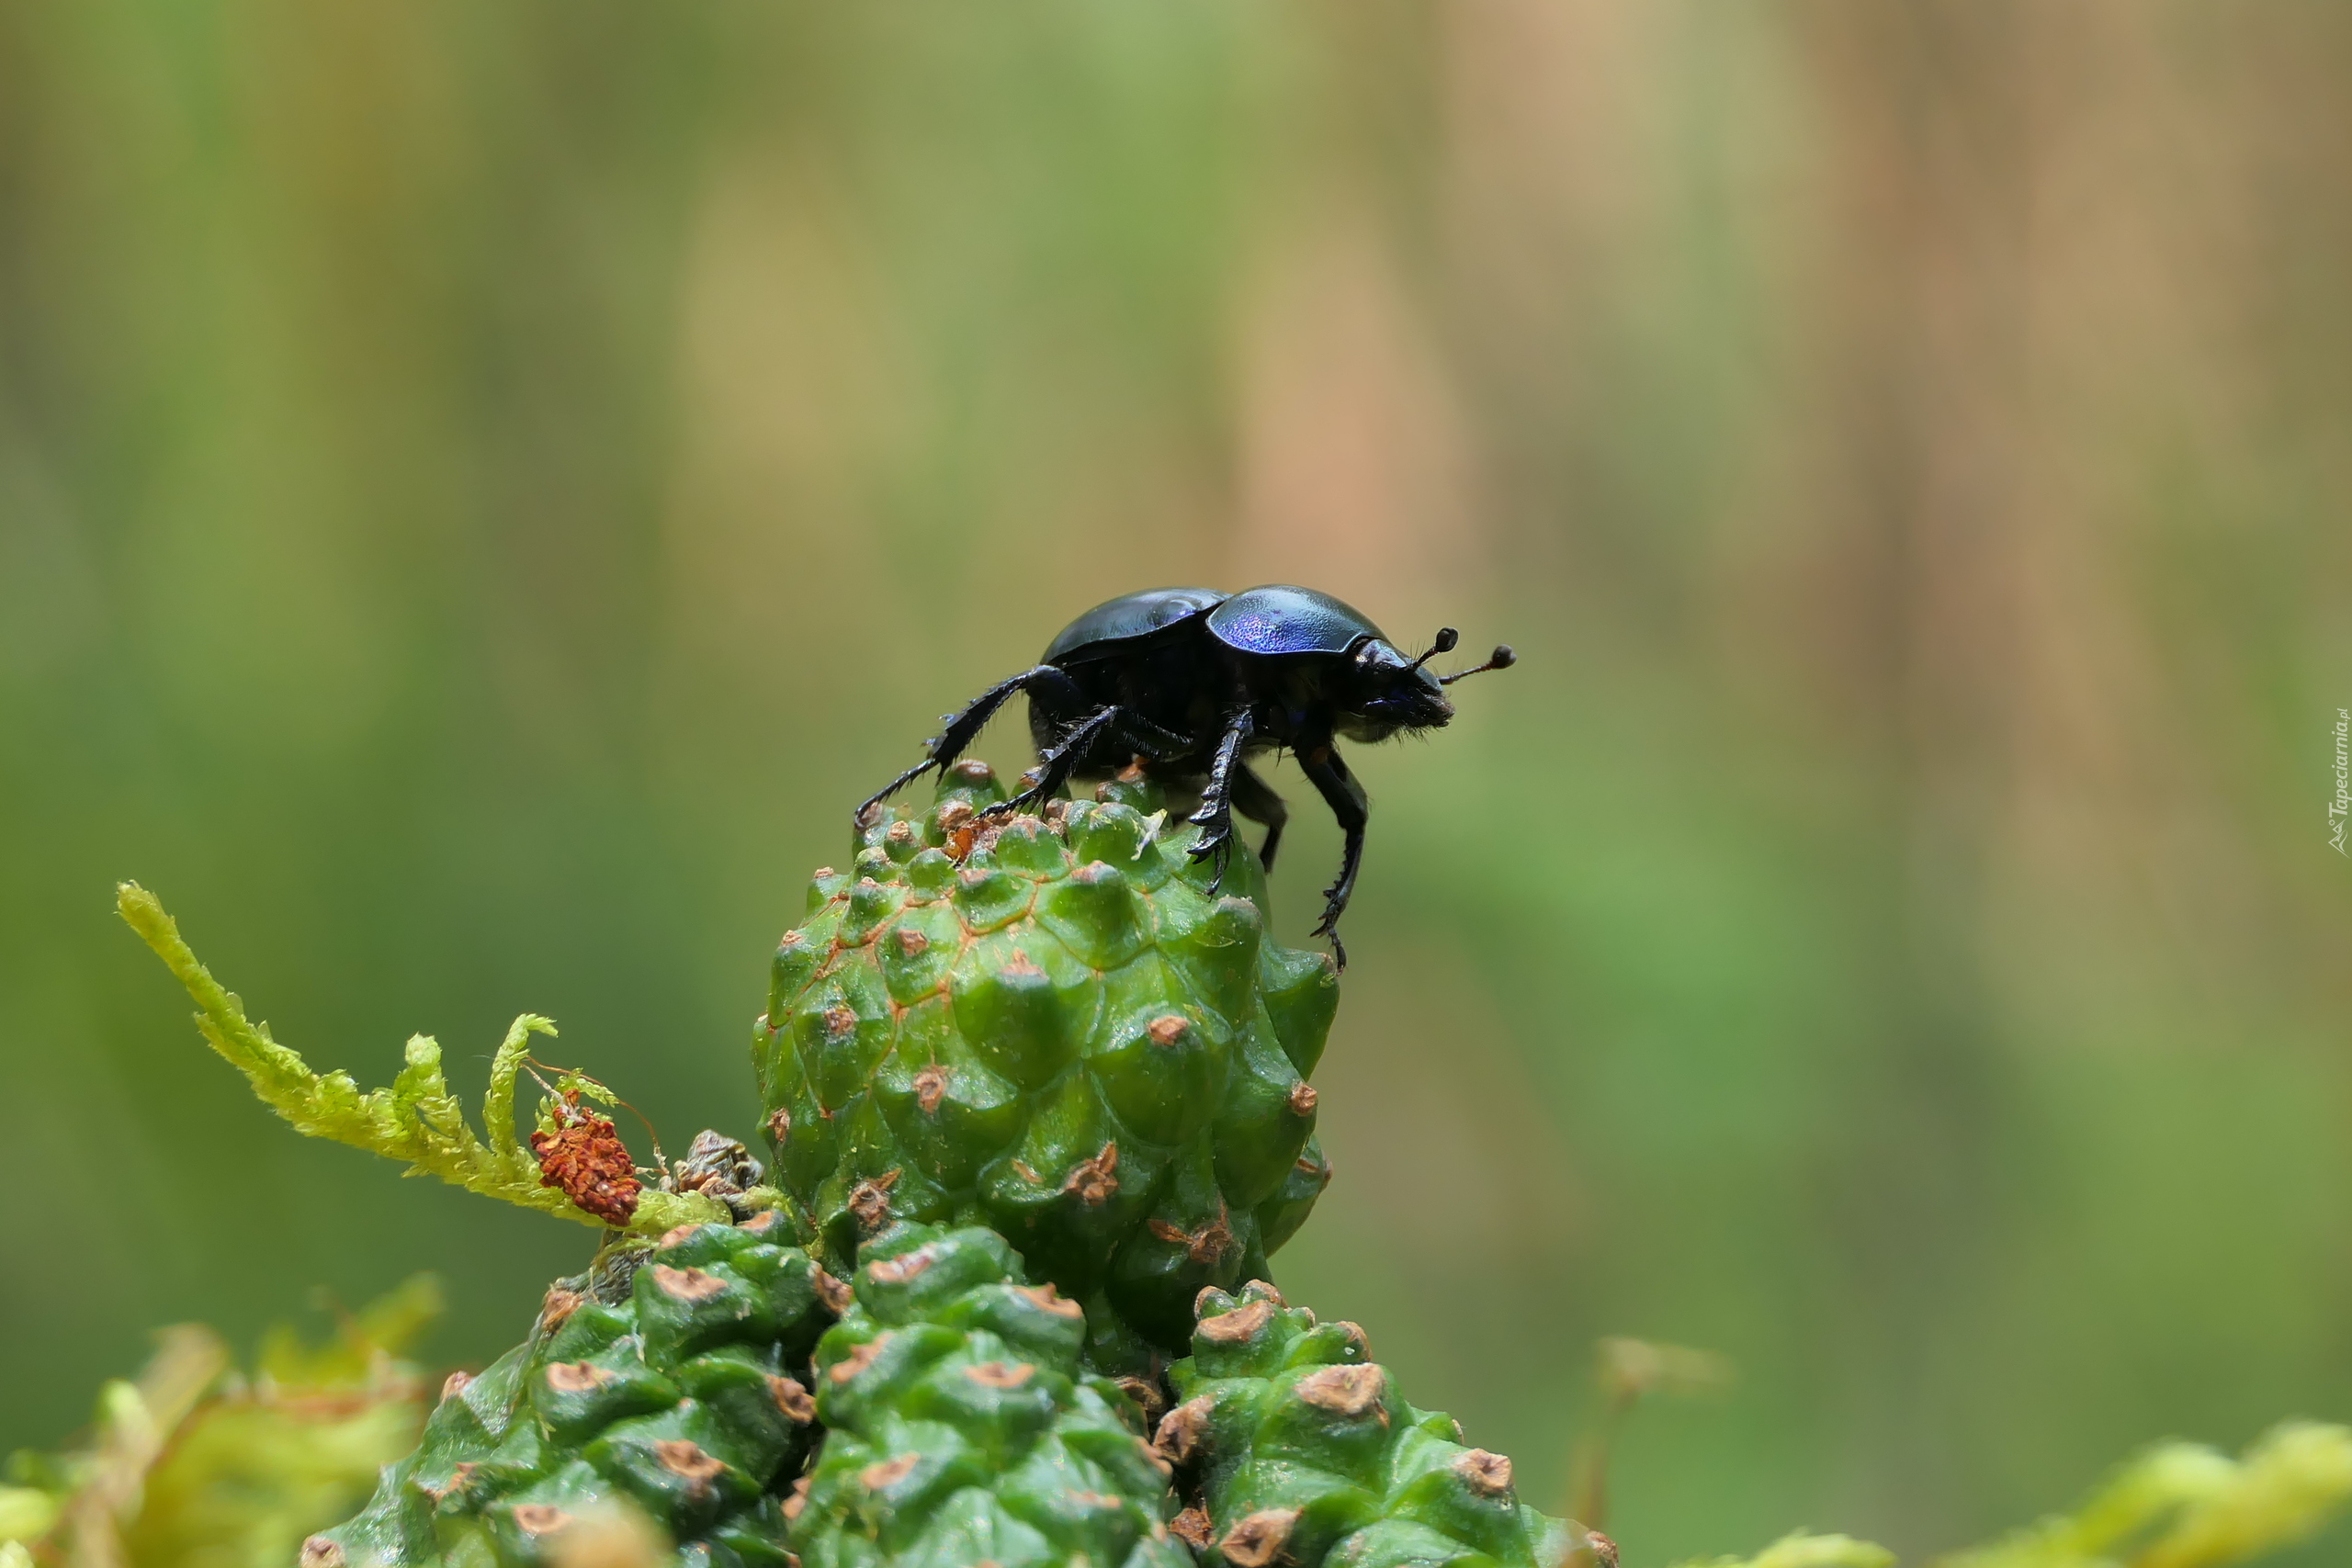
1446,637
1502,659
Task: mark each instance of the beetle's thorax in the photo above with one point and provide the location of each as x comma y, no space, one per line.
1366,696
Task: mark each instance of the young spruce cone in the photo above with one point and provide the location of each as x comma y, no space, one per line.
1048,1026
671,1377
1297,1449
960,1428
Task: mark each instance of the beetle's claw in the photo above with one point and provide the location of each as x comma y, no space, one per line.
1015,806
1329,927
1217,848
1219,844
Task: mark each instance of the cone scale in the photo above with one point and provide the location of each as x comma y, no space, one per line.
669,1387
1296,1448
962,1428
1052,1026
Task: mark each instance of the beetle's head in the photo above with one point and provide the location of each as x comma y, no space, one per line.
1388,692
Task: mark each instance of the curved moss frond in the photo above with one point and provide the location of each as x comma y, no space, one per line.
2185,1505
1799,1549
414,1120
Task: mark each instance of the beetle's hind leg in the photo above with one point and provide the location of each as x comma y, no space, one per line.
964,727
1153,742
1070,753
1346,798
1256,799
1062,759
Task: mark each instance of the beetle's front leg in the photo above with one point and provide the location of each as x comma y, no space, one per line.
1322,764
1215,818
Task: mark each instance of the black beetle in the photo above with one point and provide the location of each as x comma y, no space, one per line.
1195,682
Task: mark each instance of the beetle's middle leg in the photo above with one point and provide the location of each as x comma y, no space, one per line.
1066,755
1043,683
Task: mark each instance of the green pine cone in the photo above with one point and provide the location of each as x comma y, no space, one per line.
672,1380
961,1428
1298,1450
1048,1026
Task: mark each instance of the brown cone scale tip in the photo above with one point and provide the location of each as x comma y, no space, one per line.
1238,1326
689,1462
860,1357
1052,1300
1258,1540
539,1518
687,1284
1001,1374
1487,1474
1192,1527
1350,1391
869,1204
799,1405
889,1473
1182,1429
578,1377
1095,1181
899,1269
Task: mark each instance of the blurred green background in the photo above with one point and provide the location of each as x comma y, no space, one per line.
485,484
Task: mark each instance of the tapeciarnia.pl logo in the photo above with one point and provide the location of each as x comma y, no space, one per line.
2341,807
